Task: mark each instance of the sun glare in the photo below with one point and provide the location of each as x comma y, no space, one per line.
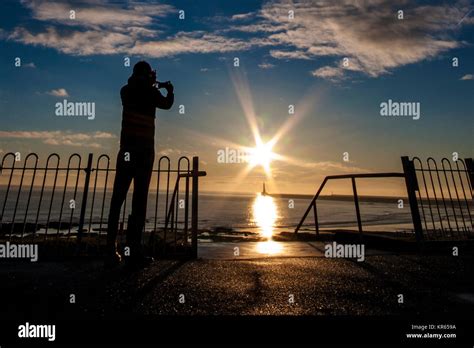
261,155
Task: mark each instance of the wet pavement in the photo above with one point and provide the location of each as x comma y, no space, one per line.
315,286
292,278
262,250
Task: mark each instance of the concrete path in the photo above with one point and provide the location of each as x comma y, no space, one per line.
262,250
295,278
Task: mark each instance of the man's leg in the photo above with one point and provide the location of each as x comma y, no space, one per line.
123,178
139,202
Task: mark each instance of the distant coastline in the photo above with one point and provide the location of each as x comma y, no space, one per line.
333,197
344,198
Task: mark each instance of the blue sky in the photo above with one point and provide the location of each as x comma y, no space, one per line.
283,61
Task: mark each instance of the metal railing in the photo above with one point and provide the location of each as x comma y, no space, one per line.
30,195
172,215
353,177
450,218
445,198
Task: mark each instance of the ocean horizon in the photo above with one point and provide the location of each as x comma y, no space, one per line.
219,211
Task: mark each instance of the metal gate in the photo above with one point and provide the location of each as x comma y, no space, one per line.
440,197
61,204
444,197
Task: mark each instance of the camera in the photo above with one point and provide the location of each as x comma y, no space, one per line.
165,84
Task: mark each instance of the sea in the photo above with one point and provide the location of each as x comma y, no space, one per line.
216,211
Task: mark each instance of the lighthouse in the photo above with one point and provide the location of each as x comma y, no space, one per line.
264,192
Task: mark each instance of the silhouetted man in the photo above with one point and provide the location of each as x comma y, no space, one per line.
140,98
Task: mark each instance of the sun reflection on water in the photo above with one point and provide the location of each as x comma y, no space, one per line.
265,214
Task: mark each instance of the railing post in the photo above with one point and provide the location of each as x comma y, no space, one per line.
194,206
411,183
470,169
316,222
356,202
313,201
88,171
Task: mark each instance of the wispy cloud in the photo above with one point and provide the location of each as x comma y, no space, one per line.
243,16
95,14
367,33
93,42
171,151
266,66
328,72
287,54
60,138
60,92
75,42
335,166
192,42
109,28
467,77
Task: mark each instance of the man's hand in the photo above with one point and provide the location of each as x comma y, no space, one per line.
169,87
166,85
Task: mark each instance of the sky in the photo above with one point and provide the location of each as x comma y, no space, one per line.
335,62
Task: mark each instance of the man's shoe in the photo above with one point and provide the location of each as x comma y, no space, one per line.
138,262
112,260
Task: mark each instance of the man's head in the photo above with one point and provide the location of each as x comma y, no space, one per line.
142,71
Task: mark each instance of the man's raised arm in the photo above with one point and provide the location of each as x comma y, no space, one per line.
162,102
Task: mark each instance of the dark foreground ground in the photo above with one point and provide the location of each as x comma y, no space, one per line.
319,286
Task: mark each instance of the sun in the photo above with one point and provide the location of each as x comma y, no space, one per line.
261,155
